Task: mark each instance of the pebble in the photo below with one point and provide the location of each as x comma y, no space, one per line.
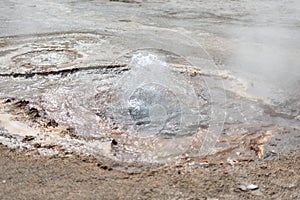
248,187
252,187
242,187
3,181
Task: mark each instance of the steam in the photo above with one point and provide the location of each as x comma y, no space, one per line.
268,49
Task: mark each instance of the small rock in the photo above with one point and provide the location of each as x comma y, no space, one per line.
293,185
52,123
248,187
3,181
34,112
37,145
252,187
242,188
114,142
9,100
104,167
28,138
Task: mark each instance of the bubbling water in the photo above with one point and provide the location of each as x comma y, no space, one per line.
155,99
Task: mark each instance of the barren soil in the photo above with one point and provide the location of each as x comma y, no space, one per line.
27,177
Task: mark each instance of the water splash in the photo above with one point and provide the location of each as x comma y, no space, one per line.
154,99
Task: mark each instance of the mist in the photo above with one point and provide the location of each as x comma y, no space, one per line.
267,49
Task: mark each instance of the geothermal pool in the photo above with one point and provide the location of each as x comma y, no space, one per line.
150,83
